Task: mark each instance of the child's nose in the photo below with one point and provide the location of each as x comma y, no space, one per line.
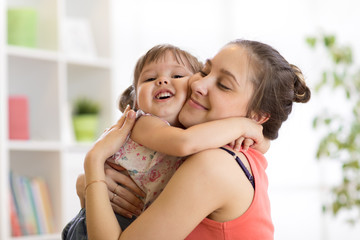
161,81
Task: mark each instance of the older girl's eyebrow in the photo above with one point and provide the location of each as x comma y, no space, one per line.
224,71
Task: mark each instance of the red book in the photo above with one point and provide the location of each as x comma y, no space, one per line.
18,118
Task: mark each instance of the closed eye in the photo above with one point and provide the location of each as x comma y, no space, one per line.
150,79
206,69
222,86
178,76
203,74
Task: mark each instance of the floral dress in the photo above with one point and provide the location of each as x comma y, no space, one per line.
150,170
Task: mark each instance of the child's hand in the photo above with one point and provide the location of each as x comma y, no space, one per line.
247,143
243,143
114,137
236,143
263,146
252,136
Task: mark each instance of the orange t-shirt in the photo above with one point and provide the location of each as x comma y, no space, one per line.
255,223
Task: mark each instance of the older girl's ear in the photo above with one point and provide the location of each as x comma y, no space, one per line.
260,118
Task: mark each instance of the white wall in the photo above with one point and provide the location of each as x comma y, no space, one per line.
202,27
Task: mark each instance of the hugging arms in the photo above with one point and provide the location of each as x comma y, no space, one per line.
215,192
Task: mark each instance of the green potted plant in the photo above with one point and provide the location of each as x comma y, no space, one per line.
85,119
340,124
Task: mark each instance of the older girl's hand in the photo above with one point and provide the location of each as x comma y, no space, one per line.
124,194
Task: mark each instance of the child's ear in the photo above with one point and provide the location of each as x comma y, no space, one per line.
261,118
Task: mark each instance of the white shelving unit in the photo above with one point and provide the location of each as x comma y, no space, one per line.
52,78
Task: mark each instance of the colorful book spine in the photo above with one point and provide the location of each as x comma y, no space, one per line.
15,190
48,210
30,206
14,220
30,222
39,206
33,218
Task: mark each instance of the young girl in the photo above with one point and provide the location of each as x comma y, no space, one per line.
158,142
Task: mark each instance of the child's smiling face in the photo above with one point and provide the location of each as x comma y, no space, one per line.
162,88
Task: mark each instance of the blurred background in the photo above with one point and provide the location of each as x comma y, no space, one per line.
96,59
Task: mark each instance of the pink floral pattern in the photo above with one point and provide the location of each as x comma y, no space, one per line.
154,174
149,169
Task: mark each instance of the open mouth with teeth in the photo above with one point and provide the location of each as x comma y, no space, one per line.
164,95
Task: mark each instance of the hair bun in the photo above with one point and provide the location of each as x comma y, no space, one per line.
302,93
127,98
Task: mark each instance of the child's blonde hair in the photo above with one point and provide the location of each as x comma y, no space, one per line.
128,97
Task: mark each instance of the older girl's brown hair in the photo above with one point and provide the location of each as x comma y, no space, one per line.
128,97
277,84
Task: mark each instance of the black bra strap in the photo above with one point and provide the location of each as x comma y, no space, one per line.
238,160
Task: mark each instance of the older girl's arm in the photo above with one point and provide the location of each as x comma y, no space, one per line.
97,203
200,186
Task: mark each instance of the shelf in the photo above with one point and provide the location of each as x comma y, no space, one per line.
98,82
35,145
38,80
89,62
78,147
48,166
95,13
33,53
39,237
50,77
48,55
48,146
47,21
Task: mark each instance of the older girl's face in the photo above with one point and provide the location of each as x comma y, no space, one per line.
222,89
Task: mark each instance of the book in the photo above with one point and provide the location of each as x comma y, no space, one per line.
45,195
18,118
15,190
25,201
14,220
43,222
32,211
30,206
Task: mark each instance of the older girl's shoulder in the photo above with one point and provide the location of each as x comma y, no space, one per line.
211,162
209,156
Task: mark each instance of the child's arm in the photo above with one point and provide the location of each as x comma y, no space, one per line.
154,133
